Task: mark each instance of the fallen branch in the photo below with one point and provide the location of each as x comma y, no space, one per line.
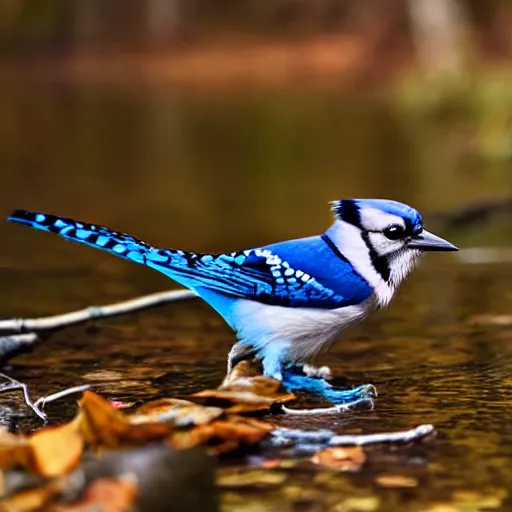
14,385
313,438
60,394
38,405
94,312
335,409
15,344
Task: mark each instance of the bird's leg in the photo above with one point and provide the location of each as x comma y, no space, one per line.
319,387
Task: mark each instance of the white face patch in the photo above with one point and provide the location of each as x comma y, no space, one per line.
400,259
376,220
383,245
348,239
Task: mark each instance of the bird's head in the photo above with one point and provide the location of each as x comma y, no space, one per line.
382,239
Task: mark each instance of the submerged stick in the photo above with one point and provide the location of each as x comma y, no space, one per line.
14,344
335,409
94,312
286,436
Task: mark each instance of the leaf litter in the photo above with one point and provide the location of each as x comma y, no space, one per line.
220,420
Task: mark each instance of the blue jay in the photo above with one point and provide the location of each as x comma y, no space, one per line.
289,301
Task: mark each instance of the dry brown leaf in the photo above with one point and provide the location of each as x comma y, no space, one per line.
243,390
225,435
396,481
109,494
51,451
14,450
103,425
182,439
341,458
180,412
244,369
56,450
32,499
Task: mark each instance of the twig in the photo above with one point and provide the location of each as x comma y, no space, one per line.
386,437
60,394
335,409
14,385
285,436
14,344
94,312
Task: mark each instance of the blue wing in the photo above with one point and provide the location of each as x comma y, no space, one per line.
257,274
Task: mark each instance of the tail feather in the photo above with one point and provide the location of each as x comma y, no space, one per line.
119,244
100,237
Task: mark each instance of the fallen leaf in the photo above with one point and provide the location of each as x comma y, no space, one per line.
56,450
109,494
103,425
223,435
243,390
32,500
14,451
182,413
341,458
396,481
27,501
51,451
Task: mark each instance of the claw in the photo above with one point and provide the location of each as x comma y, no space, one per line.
321,388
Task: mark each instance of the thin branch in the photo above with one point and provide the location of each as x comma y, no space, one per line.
14,385
335,409
16,343
60,394
94,312
312,439
386,437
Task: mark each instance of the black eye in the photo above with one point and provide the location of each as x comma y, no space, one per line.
394,232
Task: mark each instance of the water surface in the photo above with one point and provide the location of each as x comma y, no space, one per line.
215,171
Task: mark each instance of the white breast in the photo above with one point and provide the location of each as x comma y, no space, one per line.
298,333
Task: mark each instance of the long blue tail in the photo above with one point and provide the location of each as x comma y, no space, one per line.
173,263
203,273
100,237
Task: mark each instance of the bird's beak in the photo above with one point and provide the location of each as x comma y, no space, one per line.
426,241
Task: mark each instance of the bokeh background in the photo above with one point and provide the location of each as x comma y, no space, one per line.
219,125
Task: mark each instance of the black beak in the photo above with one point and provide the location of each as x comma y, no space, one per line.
426,241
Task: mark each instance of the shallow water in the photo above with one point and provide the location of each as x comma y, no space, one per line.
214,171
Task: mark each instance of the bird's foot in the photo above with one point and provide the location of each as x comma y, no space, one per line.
319,387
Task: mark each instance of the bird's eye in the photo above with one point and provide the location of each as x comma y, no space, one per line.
394,232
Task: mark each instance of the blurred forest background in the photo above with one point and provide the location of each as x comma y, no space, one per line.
367,34
251,109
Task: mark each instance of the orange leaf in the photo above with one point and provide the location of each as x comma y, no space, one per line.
341,458
243,390
102,424
14,450
108,495
180,412
51,451
231,432
56,450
